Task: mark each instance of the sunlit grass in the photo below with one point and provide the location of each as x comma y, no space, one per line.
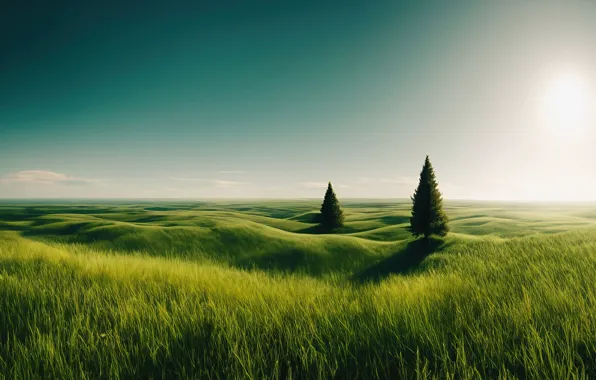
479,308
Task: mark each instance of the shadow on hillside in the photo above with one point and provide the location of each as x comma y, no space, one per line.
319,230
289,260
314,230
151,219
12,227
160,208
394,219
62,230
308,217
402,262
21,215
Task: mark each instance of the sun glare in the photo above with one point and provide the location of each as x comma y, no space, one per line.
567,103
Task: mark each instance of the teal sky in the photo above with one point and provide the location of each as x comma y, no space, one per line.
274,99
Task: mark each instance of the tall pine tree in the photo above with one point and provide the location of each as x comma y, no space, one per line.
332,215
428,217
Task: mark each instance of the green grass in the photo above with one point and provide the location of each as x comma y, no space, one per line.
188,290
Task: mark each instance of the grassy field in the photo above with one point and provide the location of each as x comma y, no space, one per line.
253,290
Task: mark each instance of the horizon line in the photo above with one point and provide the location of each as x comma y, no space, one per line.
284,199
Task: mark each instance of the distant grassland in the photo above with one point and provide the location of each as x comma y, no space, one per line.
252,290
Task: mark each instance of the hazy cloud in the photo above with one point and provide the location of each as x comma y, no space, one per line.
322,185
44,177
363,182
232,172
189,179
214,181
313,185
401,180
226,184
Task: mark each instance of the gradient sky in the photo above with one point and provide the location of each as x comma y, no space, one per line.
274,99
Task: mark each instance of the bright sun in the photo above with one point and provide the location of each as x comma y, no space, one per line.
567,103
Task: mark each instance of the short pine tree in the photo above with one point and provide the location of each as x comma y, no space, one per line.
332,215
428,217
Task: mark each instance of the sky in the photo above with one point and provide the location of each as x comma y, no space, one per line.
244,99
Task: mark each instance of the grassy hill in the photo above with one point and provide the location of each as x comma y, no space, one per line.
238,290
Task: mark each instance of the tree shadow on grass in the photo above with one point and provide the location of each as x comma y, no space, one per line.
402,262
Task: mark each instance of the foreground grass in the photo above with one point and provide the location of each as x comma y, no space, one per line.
521,308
